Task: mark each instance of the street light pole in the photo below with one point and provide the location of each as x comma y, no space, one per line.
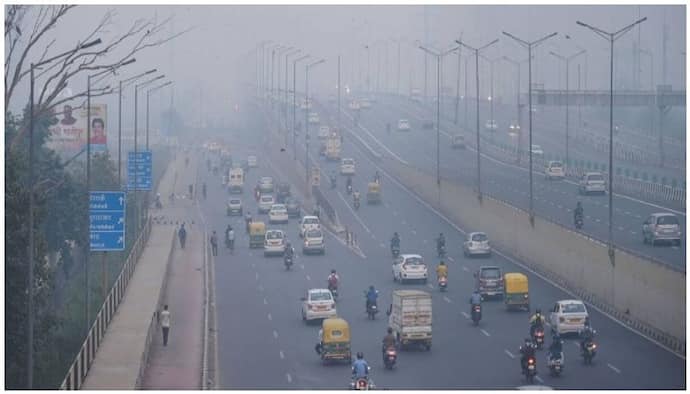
476,67
611,37
567,60
491,94
285,102
439,56
529,46
294,104
457,85
306,122
519,113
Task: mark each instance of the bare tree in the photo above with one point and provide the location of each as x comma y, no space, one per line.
55,77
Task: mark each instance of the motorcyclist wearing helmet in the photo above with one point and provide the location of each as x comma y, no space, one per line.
389,341
556,347
442,270
289,250
537,320
579,211
395,241
372,296
333,280
360,368
527,350
355,196
587,334
440,241
475,298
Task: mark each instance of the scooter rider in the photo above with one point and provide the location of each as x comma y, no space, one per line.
333,280
442,271
289,250
579,211
440,241
475,299
348,184
587,334
388,341
395,241
355,196
527,350
360,368
556,347
537,320
372,296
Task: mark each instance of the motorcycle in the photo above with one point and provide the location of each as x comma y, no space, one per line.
443,284
531,370
441,249
395,251
589,351
334,291
389,357
556,364
372,310
349,189
578,222
356,203
159,205
288,262
476,314
333,185
363,384
538,337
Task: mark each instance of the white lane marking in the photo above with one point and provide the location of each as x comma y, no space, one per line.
597,220
620,228
301,266
426,241
256,274
511,355
516,262
354,213
484,332
429,285
414,232
382,245
261,288
308,278
539,379
289,378
270,317
395,213
467,315
275,334
265,302
404,222
282,355
375,139
251,254
451,259
616,370
465,269
447,300
633,232
627,213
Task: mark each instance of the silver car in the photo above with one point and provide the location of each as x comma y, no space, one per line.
477,243
266,184
592,182
661,227
313,242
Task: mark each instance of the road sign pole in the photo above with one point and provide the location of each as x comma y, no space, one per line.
105,275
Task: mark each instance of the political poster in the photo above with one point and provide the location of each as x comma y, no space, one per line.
68,134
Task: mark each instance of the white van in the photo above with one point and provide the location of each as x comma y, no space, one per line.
235,180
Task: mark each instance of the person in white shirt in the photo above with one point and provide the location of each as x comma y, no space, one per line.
165,324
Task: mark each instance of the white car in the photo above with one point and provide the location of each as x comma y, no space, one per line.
306,104
274,242
365,103
592,182
554,170
318,304
347,166
477,243
251,161
537,150
308,223
354,105
403,125
278,214
458,142
266,201
568,316
313,242
314,118
234,207
661,226
491,125
324,131
409,267
266,184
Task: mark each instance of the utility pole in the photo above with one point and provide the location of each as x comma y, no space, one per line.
457,85
567,60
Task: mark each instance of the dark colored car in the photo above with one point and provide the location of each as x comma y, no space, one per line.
489,281
283,192
294,207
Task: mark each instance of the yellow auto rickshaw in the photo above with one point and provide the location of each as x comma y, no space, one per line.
516,291
335,340
374,193
257,232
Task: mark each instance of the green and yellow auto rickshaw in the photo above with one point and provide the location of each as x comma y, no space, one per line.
335,340
516,291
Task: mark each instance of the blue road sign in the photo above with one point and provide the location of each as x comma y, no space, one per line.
139,167
107,221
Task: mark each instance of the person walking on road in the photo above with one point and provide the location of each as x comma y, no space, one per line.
182,234
165,324
214,243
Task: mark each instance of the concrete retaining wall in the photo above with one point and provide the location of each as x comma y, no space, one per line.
647,295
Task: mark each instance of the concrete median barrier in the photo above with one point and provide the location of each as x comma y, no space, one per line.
643,294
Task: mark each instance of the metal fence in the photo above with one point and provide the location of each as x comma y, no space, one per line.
82,362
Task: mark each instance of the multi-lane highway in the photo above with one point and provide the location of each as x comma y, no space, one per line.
263,342
554,200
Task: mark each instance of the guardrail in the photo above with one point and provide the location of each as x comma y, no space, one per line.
82,362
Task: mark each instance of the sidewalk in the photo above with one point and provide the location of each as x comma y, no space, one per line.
178,365
118,362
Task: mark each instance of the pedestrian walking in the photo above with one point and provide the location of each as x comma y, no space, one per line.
165,324
214,243
182,234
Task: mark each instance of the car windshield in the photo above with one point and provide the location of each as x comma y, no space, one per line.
595,177
274,235
556,164
320,296
414,261
348,161
235,202
536,147
573,308
314,234
266,180
311,221
481,237
492,273
278,207
667,220
267,199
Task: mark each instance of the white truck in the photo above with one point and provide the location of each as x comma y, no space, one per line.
333,147
235,180
410,317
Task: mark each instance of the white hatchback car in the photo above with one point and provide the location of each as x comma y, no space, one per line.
251,161
324,131
318,304
308,223
266,201
274,243
537,150
278,214
347,166
477,243
592,182
234,207
314,118
554,170
409,267
313,242
568,316
403,125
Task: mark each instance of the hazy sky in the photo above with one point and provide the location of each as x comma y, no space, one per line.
217,56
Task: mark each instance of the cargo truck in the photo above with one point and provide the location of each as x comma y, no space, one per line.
410,317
